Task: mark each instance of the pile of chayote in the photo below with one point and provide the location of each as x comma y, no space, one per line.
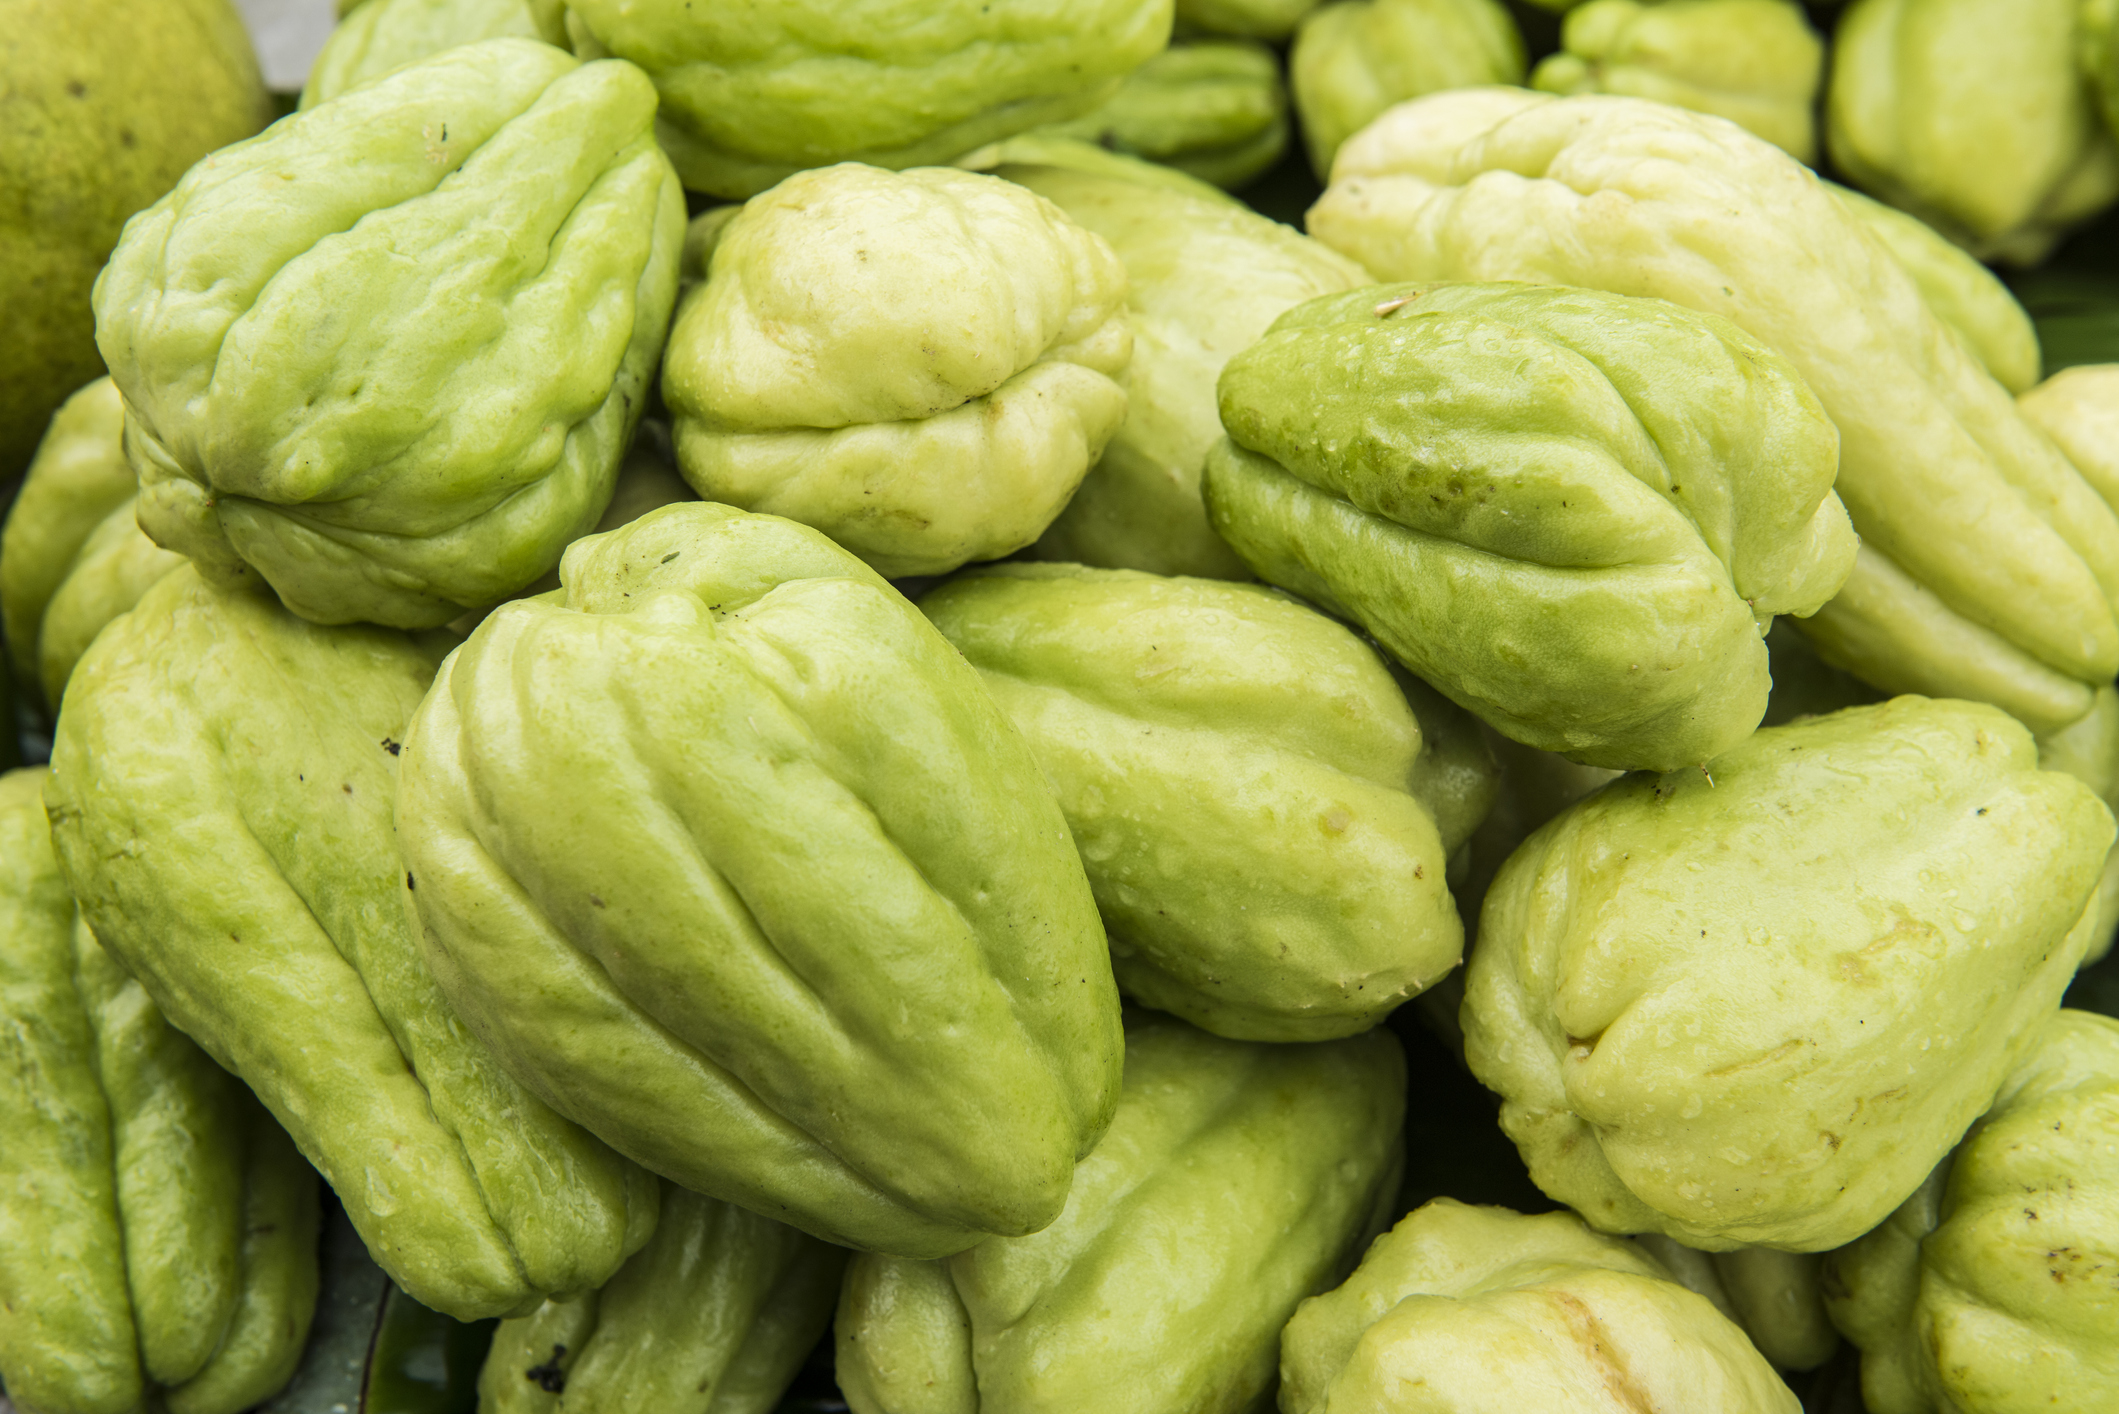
782,692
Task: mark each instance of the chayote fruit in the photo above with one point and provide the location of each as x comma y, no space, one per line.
157,1230
2088,750
1775,1298
1754,1004
714,1316
1213,107
1755,62
1474,1310
1264,819
1253,19
1991,1290
2097,54
1959,291
753,93
63,572
2079,409
340,343
220,799
729,856
1571,512
1354,58
1236,1179
1205,277
1974,117
942,404
377,36
1988,567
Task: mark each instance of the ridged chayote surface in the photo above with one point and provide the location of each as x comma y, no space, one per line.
1216,108
1571,512
714,1316
1974,117
1755,62
220,795
1264,818
1473,1310
1995,1288
1776,1298
1988,567
1756,1003
157,1229
379,35
386,355
1255,19
753,93
1204,280
941,404
2079,409
1237,1179
729,855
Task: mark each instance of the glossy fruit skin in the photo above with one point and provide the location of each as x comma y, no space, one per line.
1572,513
221,799
1236,1179
750,876
386,439
1680,1051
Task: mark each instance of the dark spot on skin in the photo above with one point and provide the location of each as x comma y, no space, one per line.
409,885
595,902
348,789
670,556
77,88
234,938
392,747
1980,811
444,132
548,1376
1419,872
126,138
2031,1215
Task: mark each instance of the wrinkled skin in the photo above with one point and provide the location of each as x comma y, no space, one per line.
1236,1179
380,35
1974,118
1988,567
1680,1050
1755,62
946,400
1474,1310
157,1230
1205,278
1991,1290
1215,108
752,94
1263,817
1960,291
1354,58
713,1316
220,800
1571,513
308,407
750,877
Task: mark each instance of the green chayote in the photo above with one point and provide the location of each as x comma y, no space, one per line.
1959,291
386,355
1355,58
1776,1298
1991,1291
1213,107
1973,117
1754,1004
1237,1179
220,797
72,557
2097,54
1573,513
1253,19
942,404
727,853
1205,278
157,1229
1988,567
713,1316
1264,819
1474,1310
753,93
2079,409
1755,62
380,35
2088,750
